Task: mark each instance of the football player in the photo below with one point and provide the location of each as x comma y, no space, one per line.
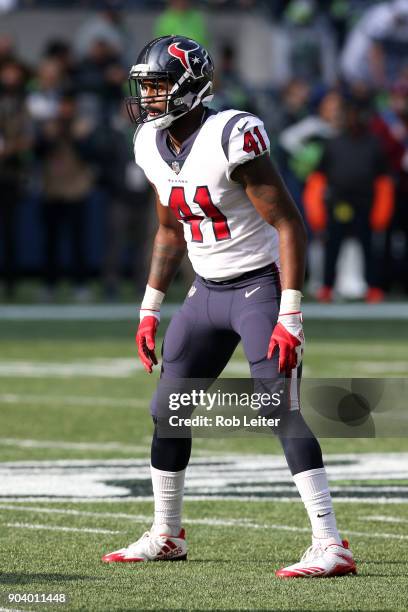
219,196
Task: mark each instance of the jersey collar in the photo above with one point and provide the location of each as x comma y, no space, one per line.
176,160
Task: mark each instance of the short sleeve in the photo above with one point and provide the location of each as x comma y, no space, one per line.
136,146
378,24
244,138
142,150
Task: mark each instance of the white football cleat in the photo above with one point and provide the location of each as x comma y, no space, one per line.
151,547
334,560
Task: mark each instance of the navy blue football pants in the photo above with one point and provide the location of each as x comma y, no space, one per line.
200,341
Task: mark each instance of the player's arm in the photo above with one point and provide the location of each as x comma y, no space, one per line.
169,248
269,196
376,61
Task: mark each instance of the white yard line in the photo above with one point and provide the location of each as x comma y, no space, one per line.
137,518
126,368
382,519
73,400
60,528
373,534
70,512
149,498
380,367
397,462
289,488
91,446
242,524
104,368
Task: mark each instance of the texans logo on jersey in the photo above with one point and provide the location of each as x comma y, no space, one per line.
191,56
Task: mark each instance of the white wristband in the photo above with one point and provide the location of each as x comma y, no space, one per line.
290,301
151,303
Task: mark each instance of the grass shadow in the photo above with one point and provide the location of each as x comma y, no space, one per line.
25,578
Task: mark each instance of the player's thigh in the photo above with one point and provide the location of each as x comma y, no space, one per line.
195,349
194,346
257,319
255,314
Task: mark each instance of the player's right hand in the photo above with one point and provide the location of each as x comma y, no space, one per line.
145,340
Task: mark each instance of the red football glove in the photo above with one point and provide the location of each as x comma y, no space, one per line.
145,340
289,338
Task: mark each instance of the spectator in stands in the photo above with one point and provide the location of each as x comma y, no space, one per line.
309,44
181,18
128,195
60,51
65,147
295,99
15,142
7,50
7,5
42,102
105,26
99,79
300,146
230,89
376,49
299,153
340,13
391,126
351,193
303,141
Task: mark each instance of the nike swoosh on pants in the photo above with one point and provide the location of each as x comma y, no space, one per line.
248,293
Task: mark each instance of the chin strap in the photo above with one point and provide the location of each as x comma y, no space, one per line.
190,101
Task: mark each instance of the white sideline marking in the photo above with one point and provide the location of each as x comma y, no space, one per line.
74,400
105,368
61,528
381,367
118,312
134,517
244,498
382,519
321,347
13,610
357,466
241,523
27,443
386,536
137,518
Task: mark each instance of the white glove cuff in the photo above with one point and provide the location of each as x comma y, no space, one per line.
151,303
290,301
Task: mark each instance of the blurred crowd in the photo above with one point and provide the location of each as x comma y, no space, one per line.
338,125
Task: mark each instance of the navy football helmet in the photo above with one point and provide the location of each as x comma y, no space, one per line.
184,65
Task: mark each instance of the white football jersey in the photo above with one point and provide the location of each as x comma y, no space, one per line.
225,235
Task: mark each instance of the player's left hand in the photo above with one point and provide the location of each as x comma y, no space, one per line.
288,337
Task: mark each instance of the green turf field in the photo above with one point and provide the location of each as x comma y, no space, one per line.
75,434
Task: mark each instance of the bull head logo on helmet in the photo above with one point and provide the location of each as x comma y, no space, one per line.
193,58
